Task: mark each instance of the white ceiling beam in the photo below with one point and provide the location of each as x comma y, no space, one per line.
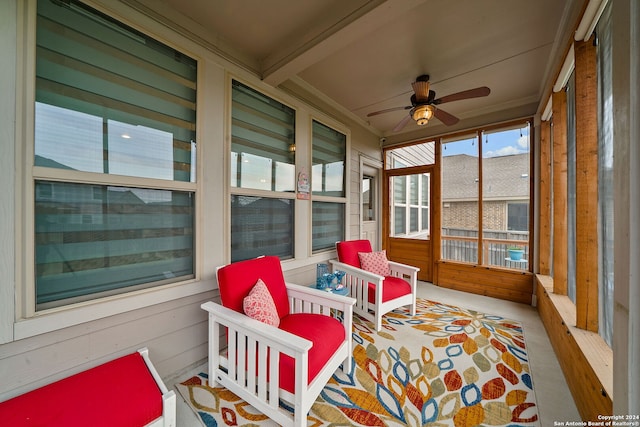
300,54
590,19
565,72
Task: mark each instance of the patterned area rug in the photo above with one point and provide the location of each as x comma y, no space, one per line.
446,366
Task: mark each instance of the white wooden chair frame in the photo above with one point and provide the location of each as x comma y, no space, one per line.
168,418
357,281
246,336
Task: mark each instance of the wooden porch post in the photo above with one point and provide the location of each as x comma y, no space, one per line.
560,232
544,238
586,186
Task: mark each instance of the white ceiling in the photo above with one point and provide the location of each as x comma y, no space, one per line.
364,55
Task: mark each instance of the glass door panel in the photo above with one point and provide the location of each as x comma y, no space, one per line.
410,216
460,219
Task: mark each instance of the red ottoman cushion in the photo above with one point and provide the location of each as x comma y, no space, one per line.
118,393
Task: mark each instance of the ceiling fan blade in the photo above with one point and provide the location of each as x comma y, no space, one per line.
465,94
388,110
402,123
446,118
421,89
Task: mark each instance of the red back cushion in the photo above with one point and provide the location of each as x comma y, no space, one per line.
348,251
237,279
259,305
375,262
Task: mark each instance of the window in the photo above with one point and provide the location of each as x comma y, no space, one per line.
505,194
262,175
329,153
518,216
425,200
114,158
368,198
486,186
460,192
410,189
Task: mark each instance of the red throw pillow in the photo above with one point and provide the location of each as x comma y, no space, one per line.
259,305
375,262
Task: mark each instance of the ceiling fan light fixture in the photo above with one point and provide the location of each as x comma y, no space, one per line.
422,114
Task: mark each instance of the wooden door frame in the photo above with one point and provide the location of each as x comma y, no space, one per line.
434,197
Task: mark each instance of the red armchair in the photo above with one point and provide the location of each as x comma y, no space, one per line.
375,294
312,338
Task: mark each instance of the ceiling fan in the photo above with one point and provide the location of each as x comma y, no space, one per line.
423,104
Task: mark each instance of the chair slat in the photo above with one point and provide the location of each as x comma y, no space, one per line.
252,357
241,354
263,353
274,369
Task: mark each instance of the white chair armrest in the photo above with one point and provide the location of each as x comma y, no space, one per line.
403,268
358,272
317,296
284,341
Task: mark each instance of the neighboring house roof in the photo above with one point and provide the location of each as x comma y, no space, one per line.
127,197
504,177
49,163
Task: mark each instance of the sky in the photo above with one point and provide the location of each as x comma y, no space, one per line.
493,144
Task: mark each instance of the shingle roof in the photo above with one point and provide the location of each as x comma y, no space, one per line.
504,177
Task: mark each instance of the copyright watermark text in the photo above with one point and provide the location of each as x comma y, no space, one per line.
603,421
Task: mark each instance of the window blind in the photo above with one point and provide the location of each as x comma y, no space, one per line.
329,154
328,224
111,99
92,240
262,141
261,226
262,159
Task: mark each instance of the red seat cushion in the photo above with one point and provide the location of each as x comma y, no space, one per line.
392,288
325,332
237,279
348,251
118,393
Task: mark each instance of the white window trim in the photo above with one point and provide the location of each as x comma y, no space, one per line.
64,317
